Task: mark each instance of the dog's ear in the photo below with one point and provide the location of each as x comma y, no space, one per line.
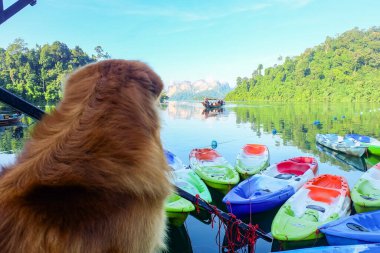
105,68
126,71
149,80
145,76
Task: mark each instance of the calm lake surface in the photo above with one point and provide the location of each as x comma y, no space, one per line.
287,129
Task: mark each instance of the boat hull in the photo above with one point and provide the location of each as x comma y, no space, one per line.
11,121
356,229
338,143
265,194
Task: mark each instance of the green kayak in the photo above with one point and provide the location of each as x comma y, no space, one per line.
252,159
177,207
366,192
214,170
374,149
320,200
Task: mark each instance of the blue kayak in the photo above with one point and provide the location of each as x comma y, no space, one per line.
271,188
356,229
358,137
250,197
361,248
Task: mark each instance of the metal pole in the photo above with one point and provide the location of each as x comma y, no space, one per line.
13,9
20,104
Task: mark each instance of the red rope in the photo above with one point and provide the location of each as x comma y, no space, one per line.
234,236
228,203
316,236
197,203
252,236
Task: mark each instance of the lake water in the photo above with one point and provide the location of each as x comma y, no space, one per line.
288,130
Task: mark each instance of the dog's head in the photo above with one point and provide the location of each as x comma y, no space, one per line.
110,80
104,133
111,92
107,103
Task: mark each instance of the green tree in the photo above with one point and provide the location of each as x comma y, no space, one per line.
100,54
331,71
36,74
259,68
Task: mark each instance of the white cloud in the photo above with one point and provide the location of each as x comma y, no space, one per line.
295,3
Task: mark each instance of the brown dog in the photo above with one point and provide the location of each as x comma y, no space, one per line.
93,177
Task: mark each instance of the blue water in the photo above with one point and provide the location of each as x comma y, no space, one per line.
185,126
288,130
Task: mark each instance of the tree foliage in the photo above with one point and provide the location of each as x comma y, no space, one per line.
294,122
36,74
345,68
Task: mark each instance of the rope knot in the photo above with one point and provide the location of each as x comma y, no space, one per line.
197,203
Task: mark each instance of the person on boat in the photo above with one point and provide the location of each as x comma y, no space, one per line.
206,102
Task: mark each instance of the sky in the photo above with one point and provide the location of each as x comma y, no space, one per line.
190,39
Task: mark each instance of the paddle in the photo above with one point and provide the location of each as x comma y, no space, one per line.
36,113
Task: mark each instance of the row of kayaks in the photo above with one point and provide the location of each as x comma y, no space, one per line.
209,168
307,202
351,144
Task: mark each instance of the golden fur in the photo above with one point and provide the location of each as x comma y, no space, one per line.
93,177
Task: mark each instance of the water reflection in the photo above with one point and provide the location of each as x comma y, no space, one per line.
163,106
189,110
296,123
179,240
353,162
12,137
213,112
371,160
183,110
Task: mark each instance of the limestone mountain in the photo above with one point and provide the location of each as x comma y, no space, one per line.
186,90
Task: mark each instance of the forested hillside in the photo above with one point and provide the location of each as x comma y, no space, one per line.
345,68
36,74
